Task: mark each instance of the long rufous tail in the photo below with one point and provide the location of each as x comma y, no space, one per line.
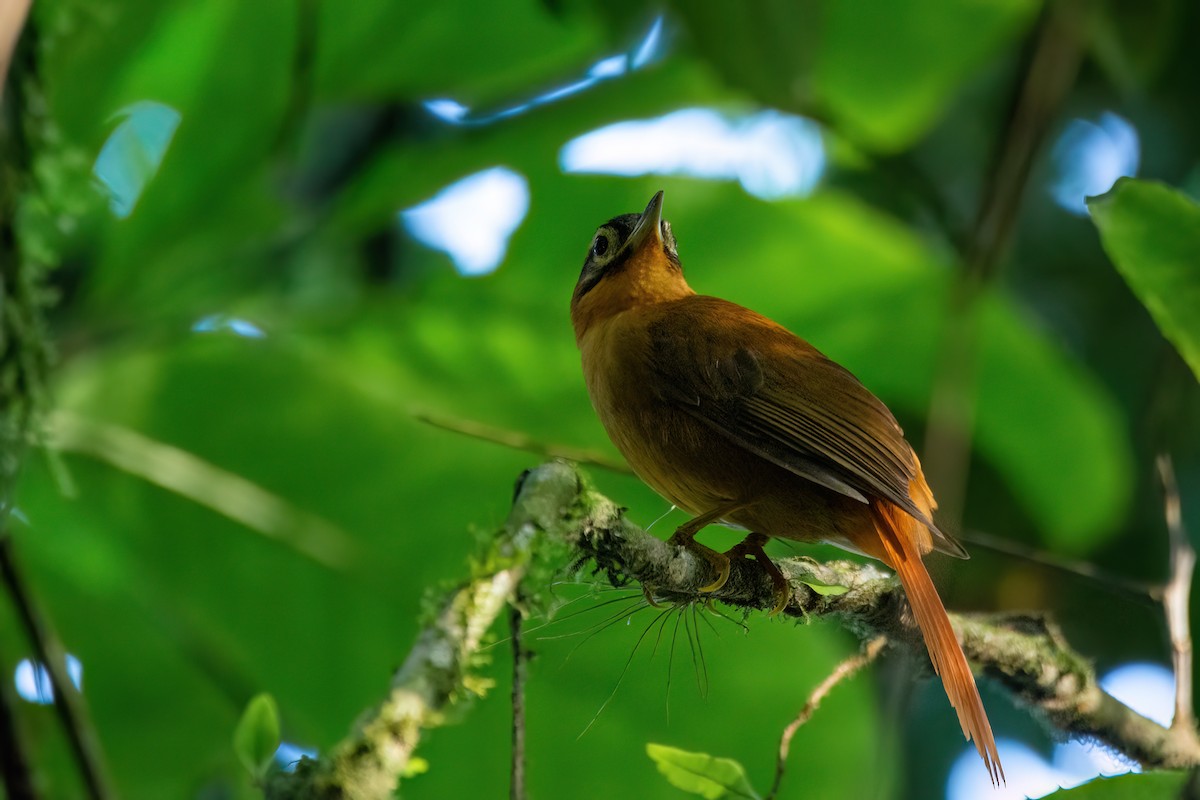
904,556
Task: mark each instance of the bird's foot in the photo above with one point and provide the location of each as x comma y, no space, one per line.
718,561
752,545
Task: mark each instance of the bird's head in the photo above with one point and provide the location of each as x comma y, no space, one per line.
631,261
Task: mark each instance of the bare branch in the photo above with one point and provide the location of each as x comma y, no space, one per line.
72,711
841,672
558,518
12,20
517,783
1042,85
519,440
438,671
1140,590
15,769
203,482
1024,653
1177,598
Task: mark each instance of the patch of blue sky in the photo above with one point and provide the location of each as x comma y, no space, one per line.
32,680
223,323
772,154
134,151
1089,157
472,219
1148,689
288,754
648,49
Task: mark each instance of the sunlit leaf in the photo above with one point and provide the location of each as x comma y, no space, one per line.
699,773
825,589
1152,233
256,737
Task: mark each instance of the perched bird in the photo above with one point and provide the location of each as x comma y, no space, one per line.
734,419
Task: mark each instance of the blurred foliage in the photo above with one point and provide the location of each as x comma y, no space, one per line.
302,135
1152,234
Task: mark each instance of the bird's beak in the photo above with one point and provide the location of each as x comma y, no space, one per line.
649,227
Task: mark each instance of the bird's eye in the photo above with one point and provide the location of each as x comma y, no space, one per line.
600,246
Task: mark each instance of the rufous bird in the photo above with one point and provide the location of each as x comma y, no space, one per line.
736,420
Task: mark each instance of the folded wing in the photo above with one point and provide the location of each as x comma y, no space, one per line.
795,408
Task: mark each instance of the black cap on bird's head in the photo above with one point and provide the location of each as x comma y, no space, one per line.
623,237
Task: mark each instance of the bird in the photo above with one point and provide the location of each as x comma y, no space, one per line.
736,420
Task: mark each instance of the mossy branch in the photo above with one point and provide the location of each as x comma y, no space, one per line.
438,672
558,518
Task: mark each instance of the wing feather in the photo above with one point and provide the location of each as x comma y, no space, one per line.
780,398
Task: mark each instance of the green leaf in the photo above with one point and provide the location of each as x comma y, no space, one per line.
1144,786
823,589
1063,413
256,737
424,50
1152,233
825,59
700,773
887,97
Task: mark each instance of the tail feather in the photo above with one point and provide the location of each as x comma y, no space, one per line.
902,554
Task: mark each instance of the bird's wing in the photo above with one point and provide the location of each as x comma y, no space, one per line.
779,397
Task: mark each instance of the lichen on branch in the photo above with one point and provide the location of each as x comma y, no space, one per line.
558,518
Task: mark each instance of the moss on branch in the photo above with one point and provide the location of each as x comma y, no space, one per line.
558,518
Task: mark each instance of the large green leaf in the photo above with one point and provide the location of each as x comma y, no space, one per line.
879,71
1147,786
423,51
888,70
1152,233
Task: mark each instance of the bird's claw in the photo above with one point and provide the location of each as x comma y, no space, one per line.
719,561
722,568
781,589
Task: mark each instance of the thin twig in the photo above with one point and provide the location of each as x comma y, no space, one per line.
14,760
301,90
1177,596
1044,84
517,786
518,440
557,514
203,482
438,672
68,702
12,20
840,673
1041,88
1024,654
1141,590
